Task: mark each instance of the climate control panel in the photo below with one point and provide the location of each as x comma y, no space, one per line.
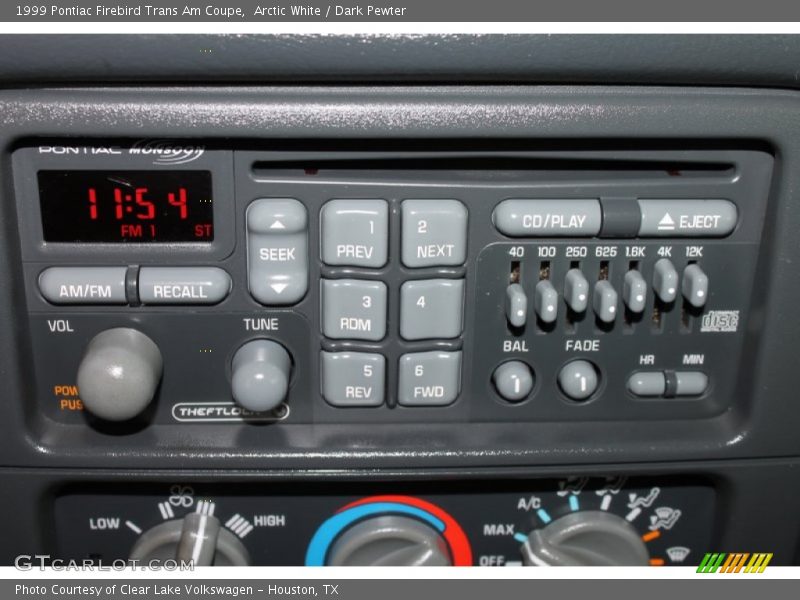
570,521
232,286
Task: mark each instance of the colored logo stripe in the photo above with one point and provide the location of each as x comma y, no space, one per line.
734,562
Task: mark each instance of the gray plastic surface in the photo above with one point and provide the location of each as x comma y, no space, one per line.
687,218
353,309
605,301
514,380
260,374
432,308
690,383
694,285
590,538
578,379
516,305
546,301
389,541
634,292
199,539
434,232
353,378
576,290
355,232
665,280
647,383
183,285
84,285
162,543
119,373
745,414
643,59
277,250
429,378
548,218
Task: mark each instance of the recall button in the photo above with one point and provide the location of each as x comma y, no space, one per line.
687,218
84,285
183,285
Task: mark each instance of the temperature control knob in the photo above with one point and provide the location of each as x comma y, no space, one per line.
197,537
390,540
589,538
260,375
119,373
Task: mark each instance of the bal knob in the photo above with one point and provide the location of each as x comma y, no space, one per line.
119,374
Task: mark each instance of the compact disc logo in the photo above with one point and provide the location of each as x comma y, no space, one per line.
166,152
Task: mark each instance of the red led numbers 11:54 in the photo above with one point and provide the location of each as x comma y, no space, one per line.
127,206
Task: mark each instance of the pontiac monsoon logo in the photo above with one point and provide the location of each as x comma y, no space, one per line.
166,152
736,562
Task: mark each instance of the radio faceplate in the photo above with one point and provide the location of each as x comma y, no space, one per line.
402,313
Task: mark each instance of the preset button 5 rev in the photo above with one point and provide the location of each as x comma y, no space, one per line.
353,378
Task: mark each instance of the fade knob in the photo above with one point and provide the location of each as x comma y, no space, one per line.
119,373
260,375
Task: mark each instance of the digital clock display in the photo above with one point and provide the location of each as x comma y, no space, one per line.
126,206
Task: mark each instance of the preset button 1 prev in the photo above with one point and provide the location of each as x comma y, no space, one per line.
277,250
355,232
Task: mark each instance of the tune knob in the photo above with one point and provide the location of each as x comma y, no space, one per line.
586,538
389,540
119,373
196,537
260,375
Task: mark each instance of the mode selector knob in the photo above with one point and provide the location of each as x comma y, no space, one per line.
260,375
119,373
591,538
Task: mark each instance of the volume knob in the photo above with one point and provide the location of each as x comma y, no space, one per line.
119,373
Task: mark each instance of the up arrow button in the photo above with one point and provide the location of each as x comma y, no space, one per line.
277,250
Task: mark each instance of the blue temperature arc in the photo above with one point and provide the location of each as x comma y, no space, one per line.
327,532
